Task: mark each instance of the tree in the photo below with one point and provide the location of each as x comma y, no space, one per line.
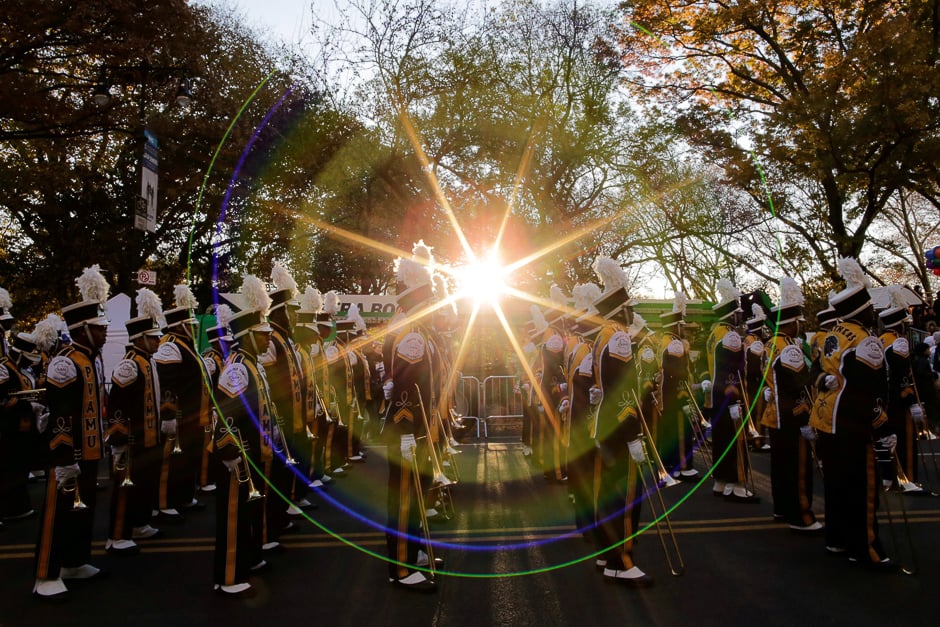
837,102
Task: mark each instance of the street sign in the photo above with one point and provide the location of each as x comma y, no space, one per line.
148,185
147,277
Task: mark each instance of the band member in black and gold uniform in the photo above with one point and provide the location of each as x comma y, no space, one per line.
786,413
754,367
19,415
133,432
286,380
905,413
242,443
407,389
214,357
306,335
617,431
184,408
580,371
725,350
674,435
849,414
551,388
6,320
338,389
75,394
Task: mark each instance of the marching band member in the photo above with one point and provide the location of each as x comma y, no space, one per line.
674,434
220,344
306,335
551,383
617,431
19,415
725,350
75,394
338,390
407,390
905,413
242,443
184,408
849,414
786,414
754,368
134,429
6,320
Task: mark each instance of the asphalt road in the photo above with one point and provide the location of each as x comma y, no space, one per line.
512,557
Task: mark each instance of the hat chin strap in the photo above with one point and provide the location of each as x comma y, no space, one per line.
254,343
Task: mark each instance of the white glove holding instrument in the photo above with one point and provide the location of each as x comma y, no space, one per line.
408,445
917,413
831,382
889,442
595,395
808,433
387,388
636,451
66,473
168,427
232,464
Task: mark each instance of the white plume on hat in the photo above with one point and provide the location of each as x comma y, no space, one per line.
557,296
637,325
896,292
757,312
412,273
148,304
223,314
679,303
585,294
353,314
851,271
610,273
538,318
5,301
331,302
422,252
46,333
255,294
283,279
311,300
93,286
183,297
727,292
790,293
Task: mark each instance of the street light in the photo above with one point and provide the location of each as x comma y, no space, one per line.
184,93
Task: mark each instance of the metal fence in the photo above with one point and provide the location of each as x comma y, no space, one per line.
496,398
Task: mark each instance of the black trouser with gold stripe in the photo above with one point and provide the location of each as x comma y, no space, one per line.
791,476
403,530
618,506
65,532
238,525
852,485
131,506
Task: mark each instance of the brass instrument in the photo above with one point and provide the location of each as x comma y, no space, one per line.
440,481
244,472
911,568
72,486
125,465
35,395
697,421
422,512
925,432
288,458
744,453
675,562
663,476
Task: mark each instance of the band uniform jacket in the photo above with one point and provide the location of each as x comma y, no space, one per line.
75,394
725,350
857,404
134,402
615,373
788,378
245,406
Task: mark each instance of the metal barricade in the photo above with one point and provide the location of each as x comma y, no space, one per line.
468,395
501,400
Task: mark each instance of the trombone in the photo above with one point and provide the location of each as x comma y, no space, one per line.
124,465
422,512
72,486
924,431
912,567
661,472
440,481
244,474
282,436
697,421
675,563
744,453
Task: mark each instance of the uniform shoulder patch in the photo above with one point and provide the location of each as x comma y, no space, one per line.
331,352
234,379
756,347
353,360
555,343
870,351
620,345
792,357
314,349
61,371
168,353
4,374
209,365
647,355
901,347
586,367
125,373
675,348
731,341
412,347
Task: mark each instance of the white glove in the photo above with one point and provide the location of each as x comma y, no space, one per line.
38,409
408,447
890,442
387,388
117,451
42,422
66,473
808,433
636,451
734,411
831,382
563,407
232,464
706,386
563,387
595,395
917,413
768,394
168,427
526,387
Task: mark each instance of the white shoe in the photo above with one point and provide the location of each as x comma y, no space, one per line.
356,458
526,450
85,571
121,546
170,512
430,513
326,478
302,503
50,588
293,510
260,565
270,546
423,559
142,533
454,443
209,487
910,486
338,471
235,589
451,450
316,483
816,526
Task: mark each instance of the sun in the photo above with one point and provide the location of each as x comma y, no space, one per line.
482,280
